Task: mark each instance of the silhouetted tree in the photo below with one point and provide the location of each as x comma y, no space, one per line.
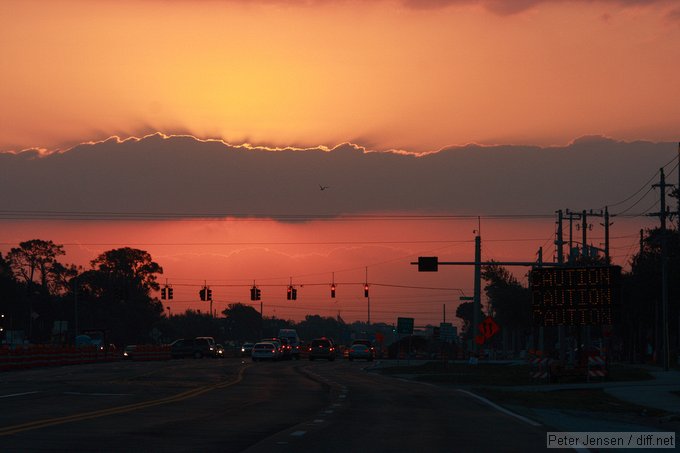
510,302
8,297
115,294
34,259
465,312
641,297
314,326
242,322
33,264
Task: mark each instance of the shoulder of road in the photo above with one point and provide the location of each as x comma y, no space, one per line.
637,398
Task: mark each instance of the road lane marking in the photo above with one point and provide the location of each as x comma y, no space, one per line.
9,430
298,433
318,420
18,394
501,409
96,394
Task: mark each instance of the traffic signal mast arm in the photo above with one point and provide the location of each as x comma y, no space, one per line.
489,263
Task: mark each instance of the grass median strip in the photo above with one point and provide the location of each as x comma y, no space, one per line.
590,400
508,374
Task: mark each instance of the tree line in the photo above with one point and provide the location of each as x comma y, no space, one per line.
46,301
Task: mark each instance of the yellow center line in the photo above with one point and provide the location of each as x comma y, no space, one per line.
120,409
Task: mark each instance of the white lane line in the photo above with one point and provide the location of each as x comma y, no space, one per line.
329,411
298,433
499,408
342,396
18,394
318,420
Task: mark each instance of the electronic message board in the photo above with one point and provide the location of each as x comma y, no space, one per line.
576,296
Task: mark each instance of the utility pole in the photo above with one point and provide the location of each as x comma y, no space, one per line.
559,242
665,343
584,227
572,216
607,224
561,334
541,329
368,299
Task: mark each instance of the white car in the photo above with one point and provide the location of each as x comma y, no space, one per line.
360,351
264,351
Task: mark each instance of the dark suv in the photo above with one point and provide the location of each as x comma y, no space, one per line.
197,348
322,348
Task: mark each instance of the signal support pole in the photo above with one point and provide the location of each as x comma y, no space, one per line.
477,303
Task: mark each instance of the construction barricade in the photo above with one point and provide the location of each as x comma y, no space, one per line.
539,368
597,367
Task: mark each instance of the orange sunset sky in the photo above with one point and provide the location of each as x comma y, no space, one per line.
406,76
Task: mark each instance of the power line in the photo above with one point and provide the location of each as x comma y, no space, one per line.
646,184
244,217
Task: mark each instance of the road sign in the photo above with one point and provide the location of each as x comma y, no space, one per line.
405,326
576,296
488,328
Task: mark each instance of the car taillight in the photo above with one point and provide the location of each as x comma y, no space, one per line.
273,351
332,349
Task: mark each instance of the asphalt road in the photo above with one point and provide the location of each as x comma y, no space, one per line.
232,405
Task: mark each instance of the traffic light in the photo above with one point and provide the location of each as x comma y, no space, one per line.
202,293
169,293
428,264
210,294
255,293
294,293
366,290
333,290
289,294
258,296
163,293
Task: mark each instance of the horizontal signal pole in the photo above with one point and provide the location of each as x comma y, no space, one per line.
490,263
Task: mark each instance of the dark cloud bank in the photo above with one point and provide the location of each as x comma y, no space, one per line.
182,175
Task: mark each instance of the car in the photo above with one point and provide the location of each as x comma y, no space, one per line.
265,350
280,350
322,348
219,351
129,351
360,351
367,343
293,341
286,349
197,348
247,349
